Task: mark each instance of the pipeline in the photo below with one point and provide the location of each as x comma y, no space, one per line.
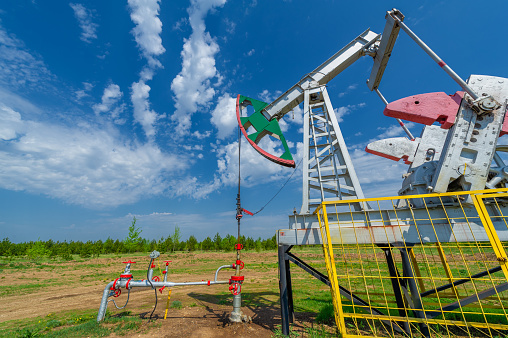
126,281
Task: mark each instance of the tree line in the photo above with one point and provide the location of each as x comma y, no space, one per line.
132,243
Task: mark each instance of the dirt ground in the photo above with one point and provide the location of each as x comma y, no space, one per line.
204,312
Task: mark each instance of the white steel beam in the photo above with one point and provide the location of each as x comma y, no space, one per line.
322,74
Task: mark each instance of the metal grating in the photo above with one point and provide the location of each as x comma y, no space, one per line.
436,271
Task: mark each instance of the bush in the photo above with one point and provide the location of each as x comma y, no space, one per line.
37,251
65,253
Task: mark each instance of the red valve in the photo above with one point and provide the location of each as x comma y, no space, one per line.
238,246
153,266
167,262
162,288
127,284
129,261
164,272
118,292
240,263
114,284
239,279
155,279
235,288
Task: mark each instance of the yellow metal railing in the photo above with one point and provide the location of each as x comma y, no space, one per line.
437,269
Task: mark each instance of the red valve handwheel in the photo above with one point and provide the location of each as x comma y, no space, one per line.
235,288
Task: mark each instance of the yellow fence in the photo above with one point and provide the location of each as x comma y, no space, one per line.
418,266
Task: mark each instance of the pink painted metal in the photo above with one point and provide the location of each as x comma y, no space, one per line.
427,108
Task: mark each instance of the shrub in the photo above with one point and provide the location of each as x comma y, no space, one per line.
37,251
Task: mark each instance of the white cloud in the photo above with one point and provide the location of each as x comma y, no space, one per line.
201,135
80,94
18,66
251,52
392,131
109,104
345,110
142,112
230,26
83,164
10,124
144,13
84,17
255,168
193,86
224,116
178,25
193,147
268,97
295,117
378,176
349,89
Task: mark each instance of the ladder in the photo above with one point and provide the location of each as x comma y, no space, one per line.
328,171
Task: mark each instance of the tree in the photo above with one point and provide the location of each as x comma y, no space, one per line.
160,246
38,250
207,244
175,238
249,243
258,245
108,246
192,243
133,239
168,244
5,247
217,241
86,250
64,252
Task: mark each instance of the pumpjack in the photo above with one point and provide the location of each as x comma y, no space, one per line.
456,151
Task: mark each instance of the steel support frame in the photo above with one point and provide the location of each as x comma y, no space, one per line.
405,289
286,291
336,166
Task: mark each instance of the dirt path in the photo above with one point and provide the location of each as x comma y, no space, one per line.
204,311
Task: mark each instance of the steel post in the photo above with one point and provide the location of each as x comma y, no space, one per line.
396,285
283,286
415,293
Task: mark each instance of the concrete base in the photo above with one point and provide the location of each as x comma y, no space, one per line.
237,315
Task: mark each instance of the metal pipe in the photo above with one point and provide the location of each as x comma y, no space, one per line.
398,120
236,314
437,59
122,283
223,267
146,284
104,302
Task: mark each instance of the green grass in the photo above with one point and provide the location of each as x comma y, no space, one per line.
71,324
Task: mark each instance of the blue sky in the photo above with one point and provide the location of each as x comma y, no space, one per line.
111,109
